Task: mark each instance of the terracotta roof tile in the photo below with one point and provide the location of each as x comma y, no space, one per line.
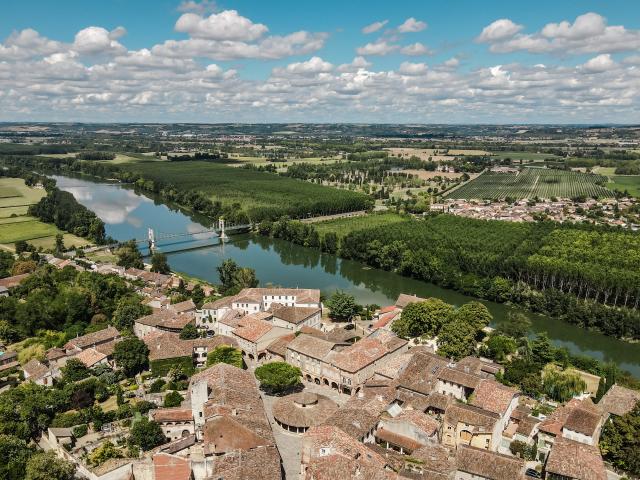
171,467
490,465
91,339
311,346
493,396
90,357
172,415
575,460
619,400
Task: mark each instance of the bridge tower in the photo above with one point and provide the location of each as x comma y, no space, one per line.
152,239
222,235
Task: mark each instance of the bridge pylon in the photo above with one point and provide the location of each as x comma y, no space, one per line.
152,239
222,235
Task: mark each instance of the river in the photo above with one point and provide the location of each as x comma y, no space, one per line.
128,214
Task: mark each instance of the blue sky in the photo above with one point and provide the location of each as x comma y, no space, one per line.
468,61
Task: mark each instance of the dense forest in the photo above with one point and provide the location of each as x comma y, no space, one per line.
582,274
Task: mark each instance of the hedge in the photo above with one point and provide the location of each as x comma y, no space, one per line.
160,368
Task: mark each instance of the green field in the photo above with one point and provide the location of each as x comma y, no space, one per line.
532,182
23,227
10,233
254,191
344,226
631,183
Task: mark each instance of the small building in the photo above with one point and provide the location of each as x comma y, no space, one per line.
619,401
407,432
477,463
570,460
254,336
294,318
106,335
468,425
299,411
176,423
162,321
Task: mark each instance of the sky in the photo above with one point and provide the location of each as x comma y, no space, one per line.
213,61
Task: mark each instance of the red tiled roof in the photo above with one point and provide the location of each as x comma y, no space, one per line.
171,467
252,330
172,415
493,396
90,357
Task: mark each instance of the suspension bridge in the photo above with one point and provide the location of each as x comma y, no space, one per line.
154,238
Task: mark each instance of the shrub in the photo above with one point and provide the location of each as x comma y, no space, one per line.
173,399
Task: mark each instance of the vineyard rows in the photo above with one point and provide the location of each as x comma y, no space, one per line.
533,182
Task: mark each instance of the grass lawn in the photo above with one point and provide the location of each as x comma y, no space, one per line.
68,239
631,183
21,194
18,219
109,404
12,232
6,212
343,226
102,257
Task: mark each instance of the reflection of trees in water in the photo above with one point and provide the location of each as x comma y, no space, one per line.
329,263
240,243
262,241
291,254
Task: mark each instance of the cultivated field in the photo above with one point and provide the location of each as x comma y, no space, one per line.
533,182
15,224
528,156
252,190
425,175
434,154
343,226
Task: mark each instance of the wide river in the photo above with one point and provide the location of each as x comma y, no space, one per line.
128,215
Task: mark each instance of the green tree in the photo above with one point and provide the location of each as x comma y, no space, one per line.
456,339
59,243
189,332
542,352
517,325
226,271
561,386
21,246
277,377
103,453
159,263
74,370
132,355
14,453
128,309
197,295
423,318
620,441
342,306
146,434
173,399
129,256
475,314
498,347
225,354
234,278
46,465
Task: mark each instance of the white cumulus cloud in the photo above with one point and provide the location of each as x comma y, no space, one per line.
374,27
411,25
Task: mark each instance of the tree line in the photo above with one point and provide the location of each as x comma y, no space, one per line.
582,274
